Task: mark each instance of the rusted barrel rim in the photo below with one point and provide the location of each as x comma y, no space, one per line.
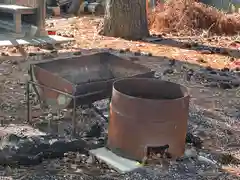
128,81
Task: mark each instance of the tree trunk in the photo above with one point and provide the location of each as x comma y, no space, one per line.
126,19
74,6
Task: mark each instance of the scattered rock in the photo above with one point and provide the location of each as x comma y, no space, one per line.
4,54
235,83
206,160
32,54
212,85
187,45
121,51
134,59
95,131
223,73
14,50
14,62
225,69
77,53
217,50
168,71
201,60
149,54
195,44
209,68
237,69
90,160
225,85
172,62
213,72
224,78
190,153
205,51
157,75
189,74
8,171
54,51
49,46
232,59
138,53
127,50
194,140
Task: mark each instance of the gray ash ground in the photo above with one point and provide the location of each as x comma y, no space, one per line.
214,117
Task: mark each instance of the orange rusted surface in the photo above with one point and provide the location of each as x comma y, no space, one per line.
90,75
148,113
147,6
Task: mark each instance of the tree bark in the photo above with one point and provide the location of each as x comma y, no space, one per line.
74,6
126,19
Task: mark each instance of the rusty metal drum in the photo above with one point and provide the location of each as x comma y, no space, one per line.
147,112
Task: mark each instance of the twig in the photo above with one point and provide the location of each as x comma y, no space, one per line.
181,19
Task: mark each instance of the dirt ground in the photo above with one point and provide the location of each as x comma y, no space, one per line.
215,108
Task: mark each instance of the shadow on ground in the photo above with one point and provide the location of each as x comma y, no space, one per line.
197,46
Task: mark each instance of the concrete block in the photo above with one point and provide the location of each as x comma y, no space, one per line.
120,164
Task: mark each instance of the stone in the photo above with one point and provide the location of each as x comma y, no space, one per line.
138,53
90,160
205,52
168,71
172,62
194,140
95,131
190,153
134,59
225,85
77,53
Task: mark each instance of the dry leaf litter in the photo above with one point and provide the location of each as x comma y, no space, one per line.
191,17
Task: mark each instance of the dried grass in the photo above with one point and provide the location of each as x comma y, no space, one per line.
191,17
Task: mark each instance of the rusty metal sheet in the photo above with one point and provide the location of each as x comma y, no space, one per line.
90,75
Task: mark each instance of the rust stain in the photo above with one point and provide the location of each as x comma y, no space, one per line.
77,76
148,113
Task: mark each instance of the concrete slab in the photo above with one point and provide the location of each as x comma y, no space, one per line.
120,164
51,39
